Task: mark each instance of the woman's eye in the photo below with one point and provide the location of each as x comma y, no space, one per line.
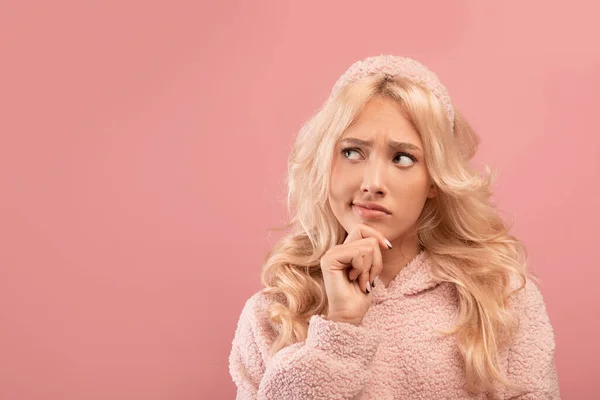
405,160
346,152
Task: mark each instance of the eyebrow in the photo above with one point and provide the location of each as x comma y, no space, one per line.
392,144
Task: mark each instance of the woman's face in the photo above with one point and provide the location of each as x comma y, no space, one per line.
378,161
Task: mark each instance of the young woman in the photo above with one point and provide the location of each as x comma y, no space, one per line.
399,280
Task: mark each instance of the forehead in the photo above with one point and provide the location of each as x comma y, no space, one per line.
380,119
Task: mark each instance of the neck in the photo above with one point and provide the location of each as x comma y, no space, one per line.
395,259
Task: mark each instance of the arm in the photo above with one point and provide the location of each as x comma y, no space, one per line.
332,363
531,356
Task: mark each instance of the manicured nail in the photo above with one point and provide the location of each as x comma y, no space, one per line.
388,244
368,290
373,283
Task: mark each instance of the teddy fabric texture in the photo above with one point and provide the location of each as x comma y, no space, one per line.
396,353
397,66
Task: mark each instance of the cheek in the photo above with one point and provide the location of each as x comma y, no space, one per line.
338,194
412,191
338,186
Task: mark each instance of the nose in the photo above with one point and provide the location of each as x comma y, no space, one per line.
374,178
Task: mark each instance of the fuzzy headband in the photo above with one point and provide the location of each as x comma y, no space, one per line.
401,66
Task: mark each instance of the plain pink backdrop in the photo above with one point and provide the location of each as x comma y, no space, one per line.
143,150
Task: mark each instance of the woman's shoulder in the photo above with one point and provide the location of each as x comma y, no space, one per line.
255,316
529,305
530,361
257,304
251,345
525,294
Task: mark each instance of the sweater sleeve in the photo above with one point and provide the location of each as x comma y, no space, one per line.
332,363
531,356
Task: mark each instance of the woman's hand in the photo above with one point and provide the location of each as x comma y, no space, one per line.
348,272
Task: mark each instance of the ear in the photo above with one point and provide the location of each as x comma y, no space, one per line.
432,191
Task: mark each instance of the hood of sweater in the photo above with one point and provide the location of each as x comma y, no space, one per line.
414,278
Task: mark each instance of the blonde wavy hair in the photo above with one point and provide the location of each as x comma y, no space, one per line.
461,229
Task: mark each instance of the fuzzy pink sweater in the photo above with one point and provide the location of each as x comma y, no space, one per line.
396,353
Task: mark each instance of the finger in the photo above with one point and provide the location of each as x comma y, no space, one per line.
365,242
353,274
363,282
377,267
364,277
359,257
365,245
342,257
358,265
361,271
372,263
359,261
361,231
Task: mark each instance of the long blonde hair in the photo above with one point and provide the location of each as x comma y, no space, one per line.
468,242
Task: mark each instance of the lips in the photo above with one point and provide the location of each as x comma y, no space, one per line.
369,214
372,206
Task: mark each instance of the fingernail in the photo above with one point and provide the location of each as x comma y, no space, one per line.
368,290
389,245
373,283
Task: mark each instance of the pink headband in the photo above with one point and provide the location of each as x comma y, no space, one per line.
402,66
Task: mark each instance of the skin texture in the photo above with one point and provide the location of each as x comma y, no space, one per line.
384,175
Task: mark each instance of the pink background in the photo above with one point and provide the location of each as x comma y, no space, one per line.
143,149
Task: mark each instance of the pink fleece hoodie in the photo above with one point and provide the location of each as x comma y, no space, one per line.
395,353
